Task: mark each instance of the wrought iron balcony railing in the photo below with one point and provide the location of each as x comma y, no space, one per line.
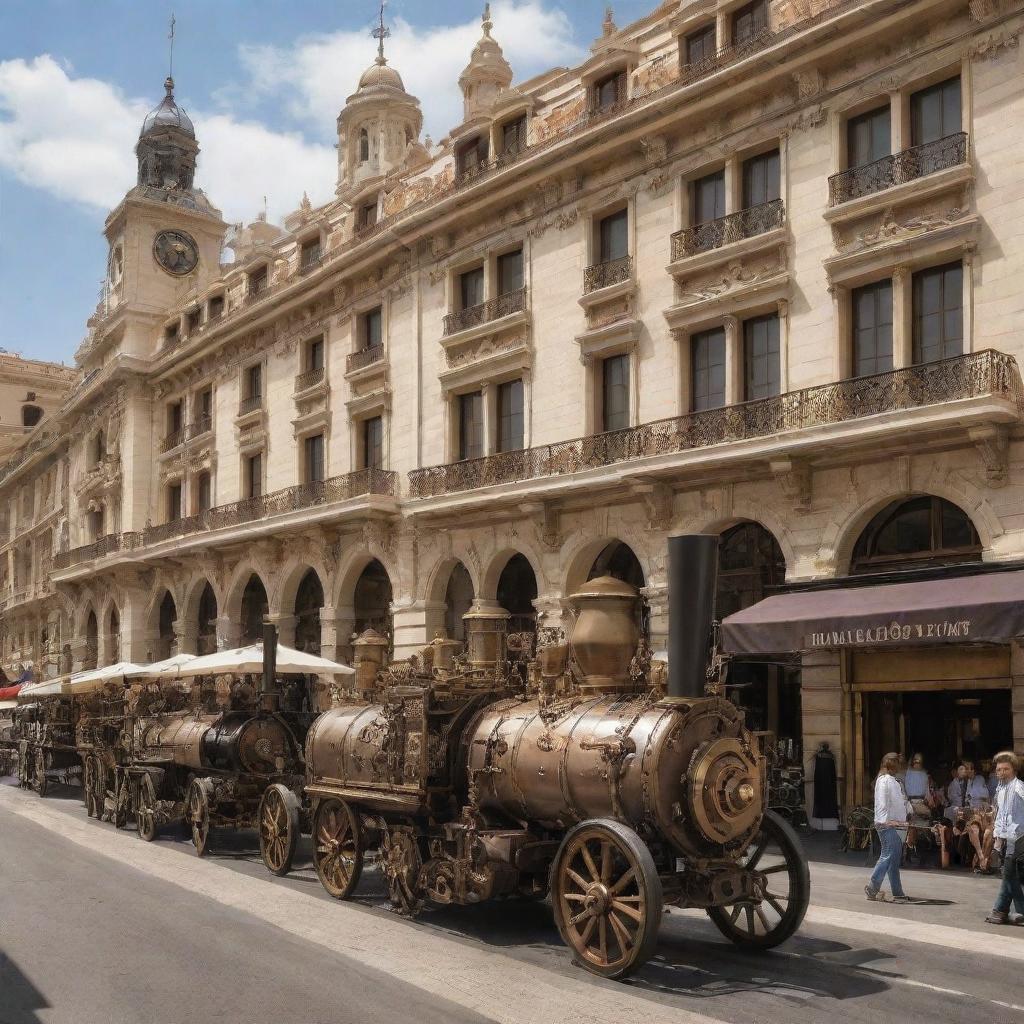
310,261
247,510
485,312
980,374
309,379
713,234
900,167
202,424
601,275
364,357
257,290
250,404
173,439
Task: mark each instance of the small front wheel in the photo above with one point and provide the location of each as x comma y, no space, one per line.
279,828
607,897
197,813
145,809
337,848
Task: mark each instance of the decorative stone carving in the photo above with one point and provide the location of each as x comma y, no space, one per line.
992,45
482,348
795,479
993,445
809,83
736,274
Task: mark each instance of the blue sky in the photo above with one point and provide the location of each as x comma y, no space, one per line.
263,81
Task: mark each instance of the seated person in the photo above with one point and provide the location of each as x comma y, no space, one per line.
918,787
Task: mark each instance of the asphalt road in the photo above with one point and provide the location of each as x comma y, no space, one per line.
89,934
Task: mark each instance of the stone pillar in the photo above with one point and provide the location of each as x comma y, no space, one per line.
656,596
336,627
733,361
1017,695
411,624
902,319
821,694
79,651
229,633
186,637
552,613
285,627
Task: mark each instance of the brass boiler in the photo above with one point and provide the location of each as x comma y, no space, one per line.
685,767
176,738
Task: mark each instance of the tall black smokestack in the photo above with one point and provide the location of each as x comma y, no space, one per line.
692,581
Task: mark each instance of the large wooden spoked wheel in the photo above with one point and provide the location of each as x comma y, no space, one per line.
197,814
607,897
122,798
42,782
279,828
145,808
337,848
781,884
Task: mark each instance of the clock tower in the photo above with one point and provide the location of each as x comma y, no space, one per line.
164,238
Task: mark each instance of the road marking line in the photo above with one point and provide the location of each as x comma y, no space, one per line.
474,978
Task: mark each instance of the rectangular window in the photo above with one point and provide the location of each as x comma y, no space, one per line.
761,179
204,404
869,137
368,215
471,288
510,416
510,272
615,393
204,492
708,197
254,475
314,447
748,22
938,296
258,281
935,112
254,382
373,443
707,370
610,91
96,524
173,418
370,328
310,254
192,321
872,328
173,502
215,307
171,333
314,354
513,137
471,425
613,236
762,372
473,156
699,45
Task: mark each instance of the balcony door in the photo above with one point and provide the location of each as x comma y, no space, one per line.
872,329
935,112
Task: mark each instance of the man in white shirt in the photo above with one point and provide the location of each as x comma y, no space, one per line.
1009,832
891,812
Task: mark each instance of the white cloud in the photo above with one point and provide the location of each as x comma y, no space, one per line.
75,138
315,74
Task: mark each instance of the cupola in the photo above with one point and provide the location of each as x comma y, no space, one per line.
487,75
167,147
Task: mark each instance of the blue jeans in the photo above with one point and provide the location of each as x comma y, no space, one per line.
1011,891
889,861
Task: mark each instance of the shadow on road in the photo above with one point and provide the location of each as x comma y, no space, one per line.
19,998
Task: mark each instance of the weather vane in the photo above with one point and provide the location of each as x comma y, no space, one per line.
170,55
380,33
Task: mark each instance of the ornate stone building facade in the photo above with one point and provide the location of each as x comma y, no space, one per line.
751,269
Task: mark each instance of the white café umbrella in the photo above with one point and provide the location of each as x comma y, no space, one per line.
158,668
46,688
250,660
84,682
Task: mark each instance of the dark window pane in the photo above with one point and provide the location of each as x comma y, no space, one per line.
315,354
709,197
255,476
868,137
748,21
700,44
761,179
956,528
372,333
707,363
615,392
471,287
204,496
610,91
935,112
510,416
254,380
373,443
471,425
173,502
510,272
762,372
513,136
938,313
909,531
613,234
205,404
872,329
315,458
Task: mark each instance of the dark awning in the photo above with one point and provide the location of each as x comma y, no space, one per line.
987,608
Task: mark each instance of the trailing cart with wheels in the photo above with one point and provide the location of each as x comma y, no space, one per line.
595,778
44,731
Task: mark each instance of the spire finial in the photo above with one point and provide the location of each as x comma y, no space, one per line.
380,33
487,23
170,53
609,21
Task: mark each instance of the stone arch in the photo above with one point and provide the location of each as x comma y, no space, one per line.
351,568
372,597
309,599
230,602
112,654
253,608
496,566
452,586
748,511
289,580
516,592
582,561
167,616
91,634
750,565
205,619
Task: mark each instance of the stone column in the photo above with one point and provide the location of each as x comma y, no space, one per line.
285,627
79,651
552,613
1017,695
902,318
186,637
821,694
229,633
336,626
412,625
656,596
733,361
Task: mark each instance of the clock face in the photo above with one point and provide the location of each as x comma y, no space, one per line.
176,252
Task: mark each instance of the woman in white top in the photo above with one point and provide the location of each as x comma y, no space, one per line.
891,812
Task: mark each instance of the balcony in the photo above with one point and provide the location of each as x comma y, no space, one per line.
714,234
200,425
363,358
310,260
257,290
485,312
982,376
898,169
604,275
378,482
309,379
247,406
173,440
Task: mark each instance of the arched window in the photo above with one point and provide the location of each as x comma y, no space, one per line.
167,617
517,590
364,145
254,609
914,532
31,415
750,567
309,600
206,621
618,560
372,600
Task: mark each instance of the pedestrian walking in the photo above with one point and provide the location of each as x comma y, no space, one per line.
892,808
1009,838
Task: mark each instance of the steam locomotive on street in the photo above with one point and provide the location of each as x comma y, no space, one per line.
587,772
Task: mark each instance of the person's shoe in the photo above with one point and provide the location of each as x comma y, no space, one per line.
1017,919
998,917
903,898
873,894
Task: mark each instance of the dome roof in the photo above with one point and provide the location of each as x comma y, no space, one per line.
379,75
167,115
